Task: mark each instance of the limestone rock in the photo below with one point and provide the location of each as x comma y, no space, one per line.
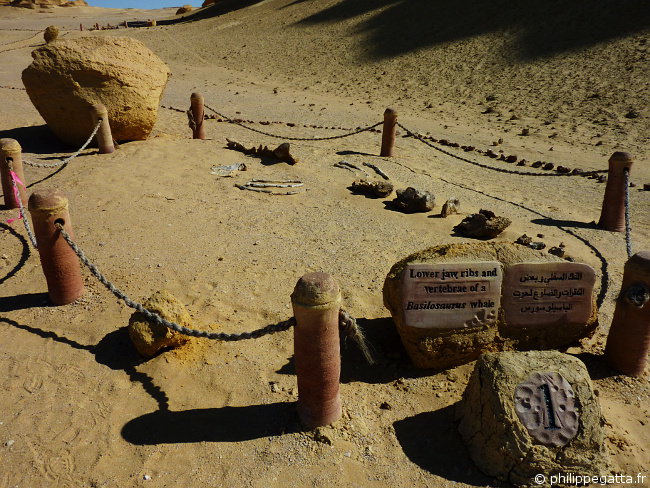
68,76
149,337
412,200
51,34
492,418
450,207
442,348
376,189
184,9
483,225
75,3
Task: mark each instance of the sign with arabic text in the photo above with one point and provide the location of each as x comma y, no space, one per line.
539,294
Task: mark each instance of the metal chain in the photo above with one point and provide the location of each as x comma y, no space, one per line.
23,214
154,317
232,121
485,166
69,158
628,229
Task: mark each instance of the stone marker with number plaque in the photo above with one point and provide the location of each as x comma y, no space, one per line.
525,413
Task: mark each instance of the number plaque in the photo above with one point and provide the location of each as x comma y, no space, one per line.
545,404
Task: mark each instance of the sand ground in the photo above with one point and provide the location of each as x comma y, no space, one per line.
80,408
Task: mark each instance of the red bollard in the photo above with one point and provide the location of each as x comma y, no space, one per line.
60,263
198,112
628,341
81,27
104,137
612,216
316,302
388,133
11,152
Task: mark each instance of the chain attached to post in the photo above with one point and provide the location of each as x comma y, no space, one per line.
341,136
69,158
628,228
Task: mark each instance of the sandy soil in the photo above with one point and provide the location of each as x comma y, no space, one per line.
80,408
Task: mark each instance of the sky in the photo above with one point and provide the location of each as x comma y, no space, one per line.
146,4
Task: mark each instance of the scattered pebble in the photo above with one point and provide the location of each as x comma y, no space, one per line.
412,200
482,225
9,443
275,388
548,166
646,186
450,207
146,477
386,406
376,189
525,131
557,251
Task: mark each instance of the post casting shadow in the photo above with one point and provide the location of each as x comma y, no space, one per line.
114,351
36,139
24,255
565,223
24,301
431,440
226,424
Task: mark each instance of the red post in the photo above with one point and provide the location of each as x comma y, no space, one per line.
388,133
104,137
628,341
198,112
81,27
316,302
612,216
60,264
11,154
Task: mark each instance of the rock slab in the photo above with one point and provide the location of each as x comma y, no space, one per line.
470,308
68,76
148,337
513,438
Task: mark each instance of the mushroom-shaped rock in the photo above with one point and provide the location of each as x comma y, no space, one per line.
68,76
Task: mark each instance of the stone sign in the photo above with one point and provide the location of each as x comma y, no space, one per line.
451,295
542,294
545,404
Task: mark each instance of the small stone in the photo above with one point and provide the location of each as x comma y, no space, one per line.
146,477
320,435
412,200
563,170
632,184
548,166
632,114
524,240
51,34
275,388
450,207
537,164
538,246
9,443
557,251
375,189
386,406
511,159
489,110
646,187
4,256
490,153
482,225
602,178
522,162
577,171
541,236
525,131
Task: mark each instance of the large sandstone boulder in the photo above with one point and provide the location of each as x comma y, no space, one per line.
149,337
184,9
68,76
530,417
448,320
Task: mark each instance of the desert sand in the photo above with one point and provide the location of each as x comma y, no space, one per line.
81,408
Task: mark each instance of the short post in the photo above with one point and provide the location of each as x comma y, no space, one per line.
81,27
60,263
316,302
388,133
11,154
628,341
196,102
612,216
104,136
151,23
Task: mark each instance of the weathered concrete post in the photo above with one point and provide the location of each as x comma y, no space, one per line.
316,302
60,264
198,112
11,153
388,132
612,216
104,136
628,341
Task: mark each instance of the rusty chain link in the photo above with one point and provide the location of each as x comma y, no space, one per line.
341,136
493,168
628,228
